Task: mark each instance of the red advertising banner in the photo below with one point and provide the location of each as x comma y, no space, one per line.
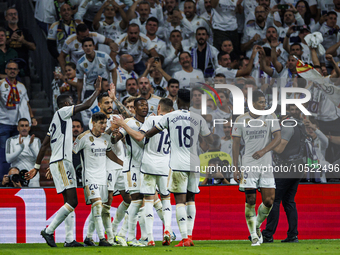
220,214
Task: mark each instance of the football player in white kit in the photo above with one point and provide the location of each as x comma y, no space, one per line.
257,132
96,148
59,137
184,128
115,178
154,168
132,166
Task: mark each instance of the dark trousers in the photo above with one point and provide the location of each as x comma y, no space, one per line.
285,192
6,131
220,36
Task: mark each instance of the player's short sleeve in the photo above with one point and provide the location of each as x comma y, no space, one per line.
287,133
66,49
66,112
78,145
79,71
274,126
52,32
108,141
110,64
204,131
123,131
163,123
147,125
148,44
99,38
236,130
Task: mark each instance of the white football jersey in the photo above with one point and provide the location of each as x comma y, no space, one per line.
184,127
117,148
256,138
186,79
101,65
134,152
74,48
156,150
136,49
60,133
93,156
112,31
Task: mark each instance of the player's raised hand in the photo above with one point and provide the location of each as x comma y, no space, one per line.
118,121
237,175
112,91
32,139
258,154
98,85
29,175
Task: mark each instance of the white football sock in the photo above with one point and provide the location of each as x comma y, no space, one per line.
124,229
142,224
181,216
69,226
97,217
106,217
262,214
158,207
149,219
191,215
120,214
90,227
251,220
62,213
132,211
167,213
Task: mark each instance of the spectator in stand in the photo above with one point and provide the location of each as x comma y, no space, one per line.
73,45
14,104
20,39
140,16
6,53
77,129
171,61
135,43
128,102
145,92
224,22
60,30
131,88
227,46
22,150
204,55
112,27
206,15
173,87
188,75
303,8
65,84
47,12
124,71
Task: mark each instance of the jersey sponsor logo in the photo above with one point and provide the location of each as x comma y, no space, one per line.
91,138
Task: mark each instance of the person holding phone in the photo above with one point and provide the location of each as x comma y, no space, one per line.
20,39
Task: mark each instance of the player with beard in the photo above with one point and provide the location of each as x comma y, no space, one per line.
115,180
204,56
132,165
145,92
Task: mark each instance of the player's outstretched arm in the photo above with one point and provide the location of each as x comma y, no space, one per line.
275,142
88,103
137,136
236,152
153,131
45,145
120,107
111,155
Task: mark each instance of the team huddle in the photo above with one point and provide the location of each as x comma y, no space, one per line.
159,152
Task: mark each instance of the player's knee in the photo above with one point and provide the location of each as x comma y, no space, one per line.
251,199
268,202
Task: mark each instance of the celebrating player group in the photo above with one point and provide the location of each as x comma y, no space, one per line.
138,156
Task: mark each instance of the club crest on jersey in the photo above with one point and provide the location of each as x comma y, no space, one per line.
76,46
138,124
151,108
92,192
71,182
198,23
85,65
91,139
100,66
6,86
134,184
105,142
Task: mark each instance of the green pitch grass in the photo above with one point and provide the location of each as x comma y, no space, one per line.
304,247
